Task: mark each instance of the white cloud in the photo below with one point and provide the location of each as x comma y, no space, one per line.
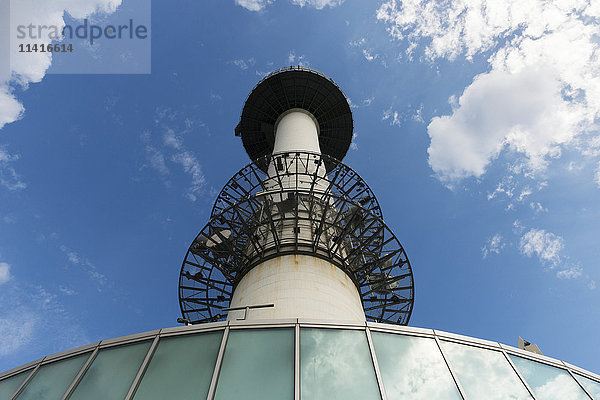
523,112
72,257
418,115
9,178
351,104
174,129
542,90
524,193
172,140
364,103
9,219
192,167
67,291
353,144
243,64
157,160
506,186
518,228
253,5
29,319
99,279
510,185
392,116
476,26
573,166
258,5
357,43
571,272
493,245
590,147
546,246
369,56
293,59
16,330
26,68
31,67
367,51
5,275
318,4
10,109
537,207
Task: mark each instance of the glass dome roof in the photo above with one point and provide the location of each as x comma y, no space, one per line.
297,359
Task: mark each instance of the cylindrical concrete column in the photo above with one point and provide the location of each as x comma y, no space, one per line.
300,286
296,130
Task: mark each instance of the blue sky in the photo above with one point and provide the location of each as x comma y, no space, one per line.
477,126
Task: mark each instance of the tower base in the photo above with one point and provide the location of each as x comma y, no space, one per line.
299,286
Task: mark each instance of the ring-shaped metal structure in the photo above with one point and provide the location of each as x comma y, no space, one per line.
309,170
260,216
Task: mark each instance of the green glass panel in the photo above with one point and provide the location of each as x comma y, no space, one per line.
336,364
413,368
484,374
181,368
258,364
9,386
112,372
590,385
548,382
52,380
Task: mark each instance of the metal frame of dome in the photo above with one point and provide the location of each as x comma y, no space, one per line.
296,87
31,370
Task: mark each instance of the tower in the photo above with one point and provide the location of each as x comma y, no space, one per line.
296,233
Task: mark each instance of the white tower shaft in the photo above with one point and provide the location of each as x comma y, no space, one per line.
299,286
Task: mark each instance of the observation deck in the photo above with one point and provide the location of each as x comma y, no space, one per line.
301,88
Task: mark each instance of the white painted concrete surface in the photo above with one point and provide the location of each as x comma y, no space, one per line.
300,287
296,130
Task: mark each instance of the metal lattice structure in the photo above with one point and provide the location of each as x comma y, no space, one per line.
300,201
303,203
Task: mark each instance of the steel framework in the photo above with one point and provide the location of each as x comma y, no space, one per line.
296,203
91,351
